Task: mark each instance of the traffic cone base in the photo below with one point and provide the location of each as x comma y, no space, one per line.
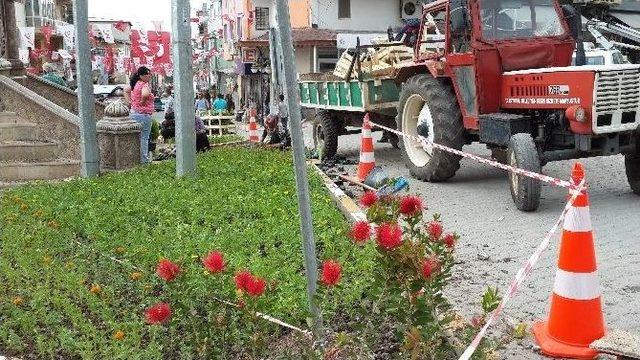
555,348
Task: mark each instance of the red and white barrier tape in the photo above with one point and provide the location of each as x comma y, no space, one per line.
424,141
521,275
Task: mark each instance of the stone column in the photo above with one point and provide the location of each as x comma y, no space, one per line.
9,55
118,138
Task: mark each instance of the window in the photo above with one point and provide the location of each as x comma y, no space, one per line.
344,9
519,19
262,18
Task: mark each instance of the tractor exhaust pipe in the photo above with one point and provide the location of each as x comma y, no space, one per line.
574,21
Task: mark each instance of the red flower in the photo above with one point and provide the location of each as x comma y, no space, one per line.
158,313
360,232
449,240
255,286
369,198
429,266
214,262
242,279
435,229
167,270
331,272
410,205
389,236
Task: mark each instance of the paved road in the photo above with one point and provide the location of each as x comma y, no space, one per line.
496,238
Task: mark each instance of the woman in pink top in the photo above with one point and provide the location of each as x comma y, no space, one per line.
141,100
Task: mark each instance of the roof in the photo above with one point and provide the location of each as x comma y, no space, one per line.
301,37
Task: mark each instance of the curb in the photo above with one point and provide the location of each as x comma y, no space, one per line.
347,206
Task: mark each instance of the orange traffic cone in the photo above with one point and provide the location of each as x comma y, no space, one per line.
253,130
367,159
575,318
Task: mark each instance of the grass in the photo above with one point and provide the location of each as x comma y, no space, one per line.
221,139
57,241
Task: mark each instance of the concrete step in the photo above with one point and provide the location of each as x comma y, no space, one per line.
9,117
28,151
19,131
21,171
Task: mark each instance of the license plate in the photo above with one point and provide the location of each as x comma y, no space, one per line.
558,89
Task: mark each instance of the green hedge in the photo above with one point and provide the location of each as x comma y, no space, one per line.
58,240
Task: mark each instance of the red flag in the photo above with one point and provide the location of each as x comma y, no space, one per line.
121,26
108,60
46,32
195,20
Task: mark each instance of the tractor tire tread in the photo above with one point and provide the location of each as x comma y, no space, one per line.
632,168
527,197
331,133
447,119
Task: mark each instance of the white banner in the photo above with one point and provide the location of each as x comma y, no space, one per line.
349,41
106,32
65,54
119,64
68,36
27,37
24,55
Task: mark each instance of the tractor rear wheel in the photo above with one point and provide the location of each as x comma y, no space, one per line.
632,165
428,107
325,134
523,154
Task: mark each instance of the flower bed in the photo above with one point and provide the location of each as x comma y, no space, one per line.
79,264
143,265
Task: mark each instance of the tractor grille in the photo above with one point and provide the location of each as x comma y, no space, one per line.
617,100
617,91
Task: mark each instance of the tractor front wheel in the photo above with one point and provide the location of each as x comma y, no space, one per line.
428,107
325,134
523,154
632,165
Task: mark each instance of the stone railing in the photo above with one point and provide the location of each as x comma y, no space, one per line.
61,96
53,122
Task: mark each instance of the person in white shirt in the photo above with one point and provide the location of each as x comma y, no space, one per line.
283,112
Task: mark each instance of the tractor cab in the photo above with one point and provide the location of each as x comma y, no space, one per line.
499,72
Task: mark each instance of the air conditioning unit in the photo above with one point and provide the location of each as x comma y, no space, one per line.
410,9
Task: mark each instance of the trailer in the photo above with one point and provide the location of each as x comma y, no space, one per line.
335,105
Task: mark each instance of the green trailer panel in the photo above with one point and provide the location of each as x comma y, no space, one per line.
360,96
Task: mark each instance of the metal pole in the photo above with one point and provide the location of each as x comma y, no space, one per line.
285,42
183,83
90,164
273,58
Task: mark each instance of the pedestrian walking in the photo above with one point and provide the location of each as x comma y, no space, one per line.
141,99
283,112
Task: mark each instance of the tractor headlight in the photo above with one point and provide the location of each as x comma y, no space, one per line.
576,113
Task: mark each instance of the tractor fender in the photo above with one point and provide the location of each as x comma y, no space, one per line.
435,68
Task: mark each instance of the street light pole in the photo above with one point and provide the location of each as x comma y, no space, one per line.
183,84
285,46
90,164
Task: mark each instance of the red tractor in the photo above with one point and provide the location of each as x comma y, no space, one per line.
498,72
